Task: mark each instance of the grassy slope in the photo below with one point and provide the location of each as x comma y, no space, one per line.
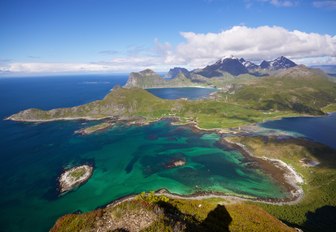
177,215
306,94
329,108
320,181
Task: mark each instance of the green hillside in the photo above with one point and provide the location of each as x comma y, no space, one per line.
159,213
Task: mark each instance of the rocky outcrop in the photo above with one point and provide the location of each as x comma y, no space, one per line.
175,163
175,72
144,79
74,177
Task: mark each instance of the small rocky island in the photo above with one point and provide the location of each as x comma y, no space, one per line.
95,128
175,163
74,177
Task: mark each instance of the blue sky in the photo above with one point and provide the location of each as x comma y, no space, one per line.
125,35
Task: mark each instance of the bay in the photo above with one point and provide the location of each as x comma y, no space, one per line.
321,129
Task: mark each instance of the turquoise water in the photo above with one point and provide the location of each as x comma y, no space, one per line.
126,160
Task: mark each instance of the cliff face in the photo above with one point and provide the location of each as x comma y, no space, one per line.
174,72
144,79
149,79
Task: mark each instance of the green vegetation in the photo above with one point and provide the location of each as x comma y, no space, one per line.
303,94
160,213
329,108
320,180
151,197
78,173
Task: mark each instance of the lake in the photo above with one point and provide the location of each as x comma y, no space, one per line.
176,93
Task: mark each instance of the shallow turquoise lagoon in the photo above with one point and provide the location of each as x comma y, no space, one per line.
126,160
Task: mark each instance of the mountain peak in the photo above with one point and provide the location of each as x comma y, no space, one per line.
176,71
279,63
147,72
230,57
230,65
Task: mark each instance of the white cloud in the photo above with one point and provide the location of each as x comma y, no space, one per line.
252,43
281,3
325,4
124,64
198,50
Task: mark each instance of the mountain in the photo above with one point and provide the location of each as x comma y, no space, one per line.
279,63
250,66
143,78
230,65
149,79
174,72
222,74
236,67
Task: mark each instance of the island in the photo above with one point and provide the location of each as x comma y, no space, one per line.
175,163
74,177
93,129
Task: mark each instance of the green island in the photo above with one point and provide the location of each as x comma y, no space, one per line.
74,177
240,101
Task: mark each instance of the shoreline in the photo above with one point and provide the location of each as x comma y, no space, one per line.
287,172
68,183
59,119
284,174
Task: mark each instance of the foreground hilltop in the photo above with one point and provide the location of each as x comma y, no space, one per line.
149,212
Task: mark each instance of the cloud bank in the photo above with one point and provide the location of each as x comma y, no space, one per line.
258,43
197,50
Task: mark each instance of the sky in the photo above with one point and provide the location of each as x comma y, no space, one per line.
115,36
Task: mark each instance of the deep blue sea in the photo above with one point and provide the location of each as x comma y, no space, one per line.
320,129
33,155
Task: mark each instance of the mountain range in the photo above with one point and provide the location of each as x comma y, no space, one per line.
219,73
236,66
